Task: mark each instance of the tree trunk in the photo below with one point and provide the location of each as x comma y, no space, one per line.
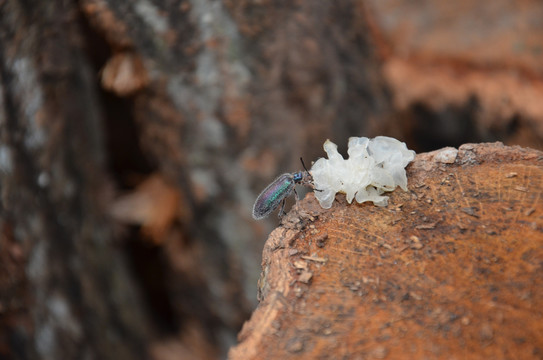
65,292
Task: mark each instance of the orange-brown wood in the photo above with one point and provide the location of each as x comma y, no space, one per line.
451,269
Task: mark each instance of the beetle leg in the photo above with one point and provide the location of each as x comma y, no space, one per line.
282,210
296,195
313,187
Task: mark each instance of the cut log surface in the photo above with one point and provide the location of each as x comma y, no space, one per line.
451,269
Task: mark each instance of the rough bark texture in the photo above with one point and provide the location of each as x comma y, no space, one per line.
452,269
70,285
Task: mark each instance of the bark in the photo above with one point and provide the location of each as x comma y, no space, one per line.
458,73
70,294
450,269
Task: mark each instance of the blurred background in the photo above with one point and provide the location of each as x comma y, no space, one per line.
136,135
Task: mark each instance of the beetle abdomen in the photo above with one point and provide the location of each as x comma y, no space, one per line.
272,196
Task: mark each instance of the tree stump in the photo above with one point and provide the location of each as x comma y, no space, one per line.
451,269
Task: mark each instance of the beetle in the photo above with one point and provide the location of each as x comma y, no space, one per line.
278,191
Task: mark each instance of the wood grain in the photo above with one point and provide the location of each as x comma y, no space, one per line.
451,269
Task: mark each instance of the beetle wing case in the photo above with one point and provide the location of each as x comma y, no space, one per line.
272,196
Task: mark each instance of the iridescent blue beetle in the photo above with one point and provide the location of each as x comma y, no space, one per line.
278,191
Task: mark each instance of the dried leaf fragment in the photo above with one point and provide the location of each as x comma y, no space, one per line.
153,205
124,74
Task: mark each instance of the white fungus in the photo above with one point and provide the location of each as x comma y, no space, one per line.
374,166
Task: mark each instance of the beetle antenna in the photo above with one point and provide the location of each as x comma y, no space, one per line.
302,160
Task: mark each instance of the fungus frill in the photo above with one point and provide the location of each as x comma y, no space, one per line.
374,167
